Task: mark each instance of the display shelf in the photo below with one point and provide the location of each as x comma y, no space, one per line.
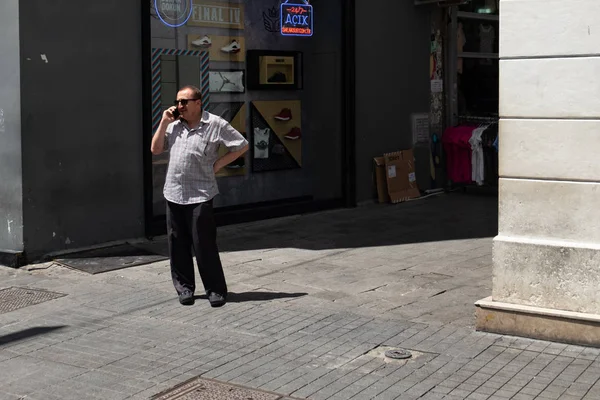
273,67
274,70
478,16
477,55
491,119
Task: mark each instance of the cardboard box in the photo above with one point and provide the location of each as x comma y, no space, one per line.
380,180
400,176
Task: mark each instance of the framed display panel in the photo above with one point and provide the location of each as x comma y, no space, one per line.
276,135
165,78
227,81
274,70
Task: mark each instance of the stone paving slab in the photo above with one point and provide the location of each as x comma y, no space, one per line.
314,298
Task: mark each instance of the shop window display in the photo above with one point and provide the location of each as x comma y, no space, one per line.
283,93
470,142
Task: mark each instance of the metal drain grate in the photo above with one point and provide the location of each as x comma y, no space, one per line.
208,389
14,298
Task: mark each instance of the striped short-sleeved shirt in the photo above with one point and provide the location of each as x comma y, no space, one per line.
192,153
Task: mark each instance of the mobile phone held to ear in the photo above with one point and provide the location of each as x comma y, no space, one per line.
176,114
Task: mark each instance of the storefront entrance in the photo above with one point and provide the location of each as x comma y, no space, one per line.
464,75
276,72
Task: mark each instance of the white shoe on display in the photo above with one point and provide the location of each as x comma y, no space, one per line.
233,47
202,42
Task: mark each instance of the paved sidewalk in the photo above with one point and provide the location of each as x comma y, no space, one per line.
315,300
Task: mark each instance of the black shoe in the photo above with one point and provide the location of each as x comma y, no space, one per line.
277,77
278,149
186,298
216,300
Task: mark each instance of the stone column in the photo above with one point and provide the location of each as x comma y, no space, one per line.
546,280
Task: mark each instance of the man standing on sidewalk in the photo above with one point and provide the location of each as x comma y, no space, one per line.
192,137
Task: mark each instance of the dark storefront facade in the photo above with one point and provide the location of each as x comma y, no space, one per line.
318,94
283,91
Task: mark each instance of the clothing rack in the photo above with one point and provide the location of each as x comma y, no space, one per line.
458,150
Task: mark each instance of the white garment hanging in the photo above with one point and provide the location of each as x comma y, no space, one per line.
261,142
477,163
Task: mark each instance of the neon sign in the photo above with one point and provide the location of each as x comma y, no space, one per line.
296,18
173,13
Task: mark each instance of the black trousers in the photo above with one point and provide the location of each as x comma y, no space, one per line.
192,227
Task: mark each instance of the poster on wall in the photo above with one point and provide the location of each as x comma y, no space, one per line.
217,14
436,77
276,135
227,82
420,127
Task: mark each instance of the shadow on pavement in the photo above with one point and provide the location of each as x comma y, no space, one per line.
243,297
450,216
454,216
28,333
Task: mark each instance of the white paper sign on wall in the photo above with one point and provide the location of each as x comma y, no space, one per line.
420,128
437,86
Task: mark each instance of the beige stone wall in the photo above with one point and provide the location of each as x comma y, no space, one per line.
547,253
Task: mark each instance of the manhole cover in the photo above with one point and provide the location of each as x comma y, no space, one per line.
14,298
208,389
398,354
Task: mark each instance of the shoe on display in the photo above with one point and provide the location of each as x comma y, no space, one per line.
284,115
233,47
294,134
277,77
202,42
278,149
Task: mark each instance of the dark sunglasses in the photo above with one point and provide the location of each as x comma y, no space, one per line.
183,101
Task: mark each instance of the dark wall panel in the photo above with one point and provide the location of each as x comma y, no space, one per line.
82,122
